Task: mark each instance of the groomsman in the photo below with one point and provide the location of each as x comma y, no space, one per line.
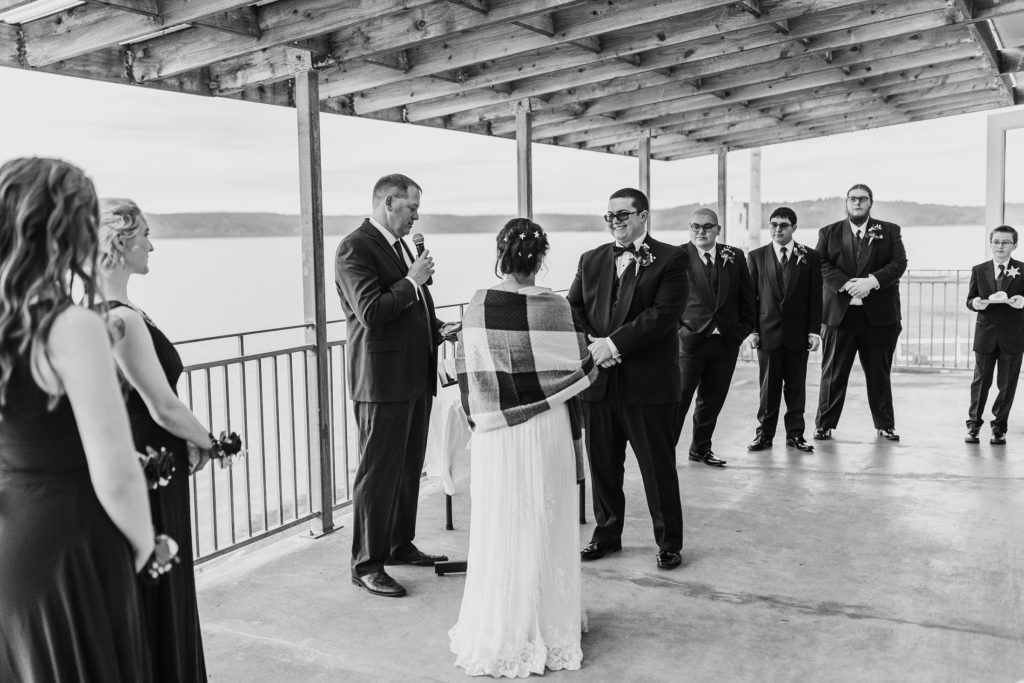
719,315
997,293
627,297
862,259
787,286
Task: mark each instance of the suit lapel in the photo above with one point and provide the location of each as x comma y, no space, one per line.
723,279
773,270
605,263
374,234
990,276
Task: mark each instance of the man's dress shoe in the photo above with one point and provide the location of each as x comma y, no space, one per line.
822,434
380,583
998,438
889,434
417,558
595,550
759,443
708,458
669,559
798,443
971,436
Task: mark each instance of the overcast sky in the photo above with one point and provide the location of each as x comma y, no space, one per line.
181,153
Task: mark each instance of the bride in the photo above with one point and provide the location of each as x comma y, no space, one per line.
521,361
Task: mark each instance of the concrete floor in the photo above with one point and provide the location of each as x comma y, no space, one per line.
866,561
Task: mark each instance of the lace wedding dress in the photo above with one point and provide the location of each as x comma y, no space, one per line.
521,609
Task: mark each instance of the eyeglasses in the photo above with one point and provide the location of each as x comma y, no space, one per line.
780,226
619,216
860,198
706,227
1002,243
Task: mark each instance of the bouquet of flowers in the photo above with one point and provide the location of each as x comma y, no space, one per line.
226,448
158,466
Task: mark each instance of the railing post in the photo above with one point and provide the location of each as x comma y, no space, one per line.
307,105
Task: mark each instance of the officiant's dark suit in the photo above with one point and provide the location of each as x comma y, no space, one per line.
788,313
998,337
393,337
718,316
633,398
875,262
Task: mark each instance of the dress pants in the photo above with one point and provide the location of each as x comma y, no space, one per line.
875,345
648,429
1007,372
706,371
783,373
392,444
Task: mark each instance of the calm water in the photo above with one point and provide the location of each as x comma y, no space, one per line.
202,287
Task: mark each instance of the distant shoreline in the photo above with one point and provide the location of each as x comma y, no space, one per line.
813,213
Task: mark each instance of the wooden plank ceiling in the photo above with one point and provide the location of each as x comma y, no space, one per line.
696,76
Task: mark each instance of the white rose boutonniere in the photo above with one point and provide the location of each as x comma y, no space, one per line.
643,258
800,251
875,233
728,255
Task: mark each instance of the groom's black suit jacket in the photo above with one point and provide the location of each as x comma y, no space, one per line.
884,257
641,321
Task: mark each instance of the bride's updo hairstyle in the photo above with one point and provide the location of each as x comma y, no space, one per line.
120,221
522,246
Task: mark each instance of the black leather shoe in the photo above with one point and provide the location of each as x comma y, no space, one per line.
759,443
379,583
998,438
822,434
889,434
708,458
669,559
595,550
798,443
971,436
417,558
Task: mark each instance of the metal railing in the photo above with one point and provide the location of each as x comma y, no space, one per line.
256,383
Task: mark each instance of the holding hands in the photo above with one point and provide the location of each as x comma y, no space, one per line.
860,287
601,350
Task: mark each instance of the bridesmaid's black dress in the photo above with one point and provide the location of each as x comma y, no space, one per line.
69,606
169,608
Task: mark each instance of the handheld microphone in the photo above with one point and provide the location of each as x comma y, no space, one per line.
417,240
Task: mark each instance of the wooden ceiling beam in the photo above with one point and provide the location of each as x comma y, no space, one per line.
87,28
8,5
713,33
243,22
258,68
147,8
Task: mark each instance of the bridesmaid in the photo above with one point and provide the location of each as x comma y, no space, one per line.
151,366
74,520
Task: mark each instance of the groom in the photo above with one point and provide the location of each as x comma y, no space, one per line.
628,296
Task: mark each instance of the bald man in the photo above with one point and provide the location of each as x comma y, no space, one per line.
719,314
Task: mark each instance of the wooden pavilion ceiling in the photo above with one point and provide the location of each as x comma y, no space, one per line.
696,76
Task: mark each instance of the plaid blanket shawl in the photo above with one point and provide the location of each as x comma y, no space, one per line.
520,355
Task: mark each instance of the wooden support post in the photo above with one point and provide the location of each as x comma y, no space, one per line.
723,206
643,152
524,159
311,228
754,205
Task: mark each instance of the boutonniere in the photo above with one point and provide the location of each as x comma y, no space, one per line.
643,258
801,253
728,255
1012,271
875,233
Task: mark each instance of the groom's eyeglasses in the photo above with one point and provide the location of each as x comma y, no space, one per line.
619,216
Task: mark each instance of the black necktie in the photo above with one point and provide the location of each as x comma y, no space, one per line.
999,276
784,270
712,273
398,250
785,259
860,241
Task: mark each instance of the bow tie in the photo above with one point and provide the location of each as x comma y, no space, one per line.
617,250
